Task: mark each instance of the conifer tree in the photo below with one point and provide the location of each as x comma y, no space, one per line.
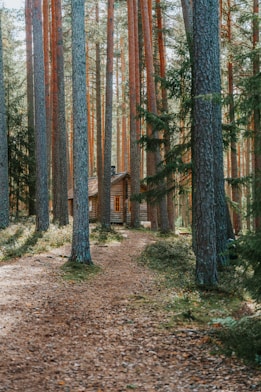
4,192
80,251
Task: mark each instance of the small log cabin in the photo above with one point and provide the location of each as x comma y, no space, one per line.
120,199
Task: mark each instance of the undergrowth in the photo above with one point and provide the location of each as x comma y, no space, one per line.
79,272
241,337
20,239
187,303
101,236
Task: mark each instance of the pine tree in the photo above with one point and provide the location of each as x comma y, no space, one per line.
80,251
4,191
42,208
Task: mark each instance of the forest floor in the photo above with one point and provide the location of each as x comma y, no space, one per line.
105,334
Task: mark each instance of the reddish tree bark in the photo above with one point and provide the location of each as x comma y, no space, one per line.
153,159
257,116
164,104
106,203
30,104
234,166
134,149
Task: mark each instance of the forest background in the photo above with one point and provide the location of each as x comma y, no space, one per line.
123,108
74,107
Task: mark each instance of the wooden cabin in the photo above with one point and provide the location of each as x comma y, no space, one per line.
120,199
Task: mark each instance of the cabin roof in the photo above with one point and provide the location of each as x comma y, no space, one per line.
93,184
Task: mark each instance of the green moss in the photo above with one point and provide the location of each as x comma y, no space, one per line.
78,272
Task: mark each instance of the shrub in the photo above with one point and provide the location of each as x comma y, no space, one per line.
243,338
249,248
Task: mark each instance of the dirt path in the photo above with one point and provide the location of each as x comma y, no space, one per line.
104,335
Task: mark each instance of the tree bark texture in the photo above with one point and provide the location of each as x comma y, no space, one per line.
99,150
4,188
106,203
164,108
154,160
204,230
221,217
134,148
60,147
257,115
42,208
80,251
233,150
30,104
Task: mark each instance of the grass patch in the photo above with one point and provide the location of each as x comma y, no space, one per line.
20,239
189,304
79,272
101,236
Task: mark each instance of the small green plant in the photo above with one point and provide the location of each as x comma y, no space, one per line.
242,337
131,386
78,272
249,247
101,236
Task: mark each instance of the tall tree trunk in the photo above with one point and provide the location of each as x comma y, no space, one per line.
124,150
4,189
80,251
134,148
257,116
90,130
106,203
46,43
164,104
221,217
55,126
60,186
30,105
204,230
187,10
152,108
234,168
99,122
42,211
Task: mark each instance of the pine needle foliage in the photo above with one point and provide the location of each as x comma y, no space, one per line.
249,248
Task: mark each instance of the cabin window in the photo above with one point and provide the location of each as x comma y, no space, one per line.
117,204
90,205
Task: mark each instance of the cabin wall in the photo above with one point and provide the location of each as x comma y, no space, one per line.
93,205
120,204
117,203
93,202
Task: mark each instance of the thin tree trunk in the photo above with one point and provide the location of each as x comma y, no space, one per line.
55,133
30,105
234,167
187,10
257,115
152,107
42,213
134,149
61,134
99,122
106,204
162,57
124,150
4,189
221,217
90,130
46,43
